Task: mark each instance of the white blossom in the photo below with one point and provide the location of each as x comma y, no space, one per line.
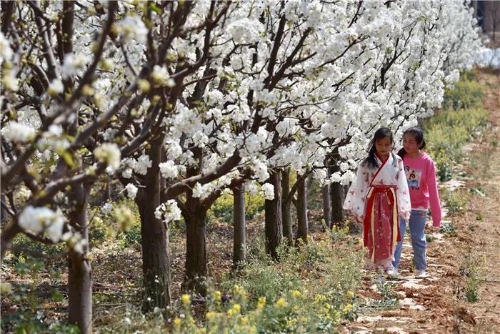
168,211
107,208
131,28
268,191
18,132
110,154
9,80
72,64
142,164
131,190
5,50
55,87
168,170
161,77
42,219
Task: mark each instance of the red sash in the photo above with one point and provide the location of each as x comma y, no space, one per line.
373,227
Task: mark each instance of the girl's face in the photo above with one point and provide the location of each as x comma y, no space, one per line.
383,147
410,144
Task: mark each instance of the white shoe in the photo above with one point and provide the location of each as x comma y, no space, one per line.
392,272
421,274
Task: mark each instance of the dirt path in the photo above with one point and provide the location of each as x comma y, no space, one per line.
463,264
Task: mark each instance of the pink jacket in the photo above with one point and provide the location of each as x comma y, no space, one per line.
421,176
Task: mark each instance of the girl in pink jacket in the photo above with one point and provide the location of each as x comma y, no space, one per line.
421,176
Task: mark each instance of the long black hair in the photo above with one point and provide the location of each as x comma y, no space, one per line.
418,133
379,134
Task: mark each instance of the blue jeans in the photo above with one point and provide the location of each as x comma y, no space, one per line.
417,231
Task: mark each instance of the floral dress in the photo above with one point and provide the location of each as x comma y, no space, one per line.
378,197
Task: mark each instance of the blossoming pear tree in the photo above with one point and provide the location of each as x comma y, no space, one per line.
86,94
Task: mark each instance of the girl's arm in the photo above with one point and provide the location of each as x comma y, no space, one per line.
355,199
434,200
403,193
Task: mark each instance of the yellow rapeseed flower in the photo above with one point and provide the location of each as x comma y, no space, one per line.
210,315
261,303
349,294
217,296
348,308
237,308
177,321
296,293
281,302
186,299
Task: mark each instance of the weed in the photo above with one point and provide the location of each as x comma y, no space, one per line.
455,200
472,269
448,228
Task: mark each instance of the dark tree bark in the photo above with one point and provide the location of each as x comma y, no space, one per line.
337,197
239,223
286,207
327,205
154,234
302,222
79,267
273,217
196,249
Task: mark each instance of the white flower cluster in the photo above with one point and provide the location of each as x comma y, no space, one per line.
110,154
131,190
39,220
18,132
131,28
168,211
6,52
161,77
73,64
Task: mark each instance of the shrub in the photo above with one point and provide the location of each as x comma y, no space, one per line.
466,94
448,132
223,207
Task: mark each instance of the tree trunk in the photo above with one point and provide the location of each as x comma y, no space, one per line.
239,238
155,257
286,206
337,197
273,222
79,267
196,250
302,223
154,234
327,205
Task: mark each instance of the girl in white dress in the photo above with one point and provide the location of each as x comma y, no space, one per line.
378,197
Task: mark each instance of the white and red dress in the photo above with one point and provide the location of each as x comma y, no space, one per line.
378,197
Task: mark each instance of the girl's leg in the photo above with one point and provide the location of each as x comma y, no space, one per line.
399,246
417,229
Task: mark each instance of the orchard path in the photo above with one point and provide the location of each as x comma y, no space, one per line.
438,304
